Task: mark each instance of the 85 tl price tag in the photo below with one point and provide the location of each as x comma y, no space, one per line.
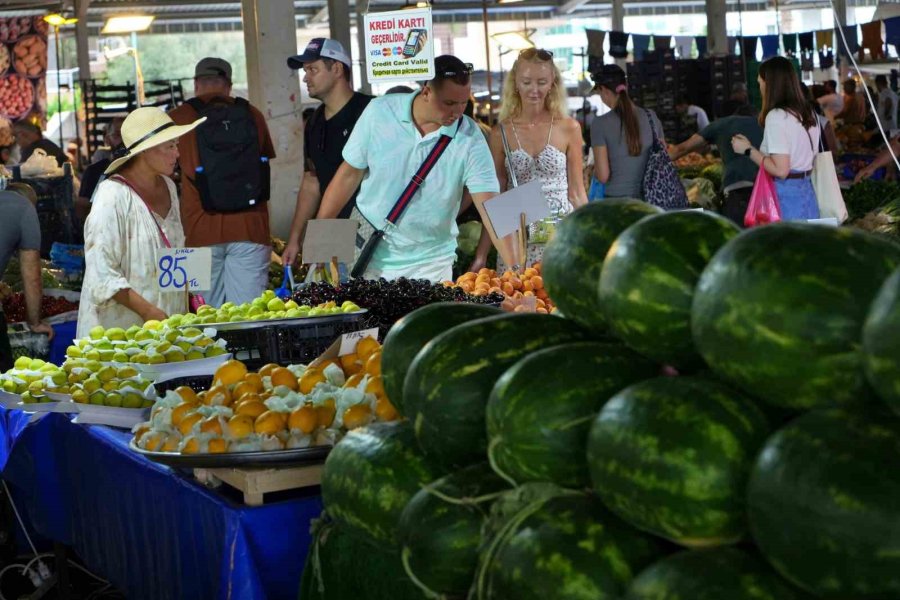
183,268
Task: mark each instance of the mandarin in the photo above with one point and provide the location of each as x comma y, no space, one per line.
266,371
325,413
187,394
188,421
357,416
217,446
251,408
240,426
270,423
310,379
351,364
182,410
283,376
230,372
385,411
304,419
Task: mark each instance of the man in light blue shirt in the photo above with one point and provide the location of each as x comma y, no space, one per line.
392,138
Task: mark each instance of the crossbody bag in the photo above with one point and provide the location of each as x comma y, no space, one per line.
368,236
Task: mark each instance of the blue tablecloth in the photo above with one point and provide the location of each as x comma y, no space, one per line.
154,532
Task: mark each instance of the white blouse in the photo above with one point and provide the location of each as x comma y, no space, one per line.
120,242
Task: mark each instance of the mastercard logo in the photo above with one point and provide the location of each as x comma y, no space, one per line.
385,51
398,50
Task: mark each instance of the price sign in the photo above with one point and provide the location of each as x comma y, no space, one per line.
349,340
504,210
184,268
329,238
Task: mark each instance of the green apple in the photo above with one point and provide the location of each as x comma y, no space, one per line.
79,396
114,399
255,310
45,367
275,304
189,319
132,400
175,320
191,332
59,378
126,372
9,386
155,359
96,332
194,354
227,306
142,335
291,304
77,377
92,384
293,313
21,388
73,352
83,343
98,398
236,319
93,366
115,334
174,355
161,347
27,398
111,386
23,363
315,312
268,294
259,303
36,388
107,373
172,335
259,317
215,351
107,354
147,403
140,358
131,332
184,346
61,389
92,355
203,342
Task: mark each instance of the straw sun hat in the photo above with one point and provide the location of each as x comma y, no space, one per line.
145,128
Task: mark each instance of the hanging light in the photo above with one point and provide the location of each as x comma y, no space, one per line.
58,20
127,24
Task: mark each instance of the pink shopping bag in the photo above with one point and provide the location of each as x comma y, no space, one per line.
763,207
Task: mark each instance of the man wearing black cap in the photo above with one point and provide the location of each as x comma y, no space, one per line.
239,239
393,137
328,77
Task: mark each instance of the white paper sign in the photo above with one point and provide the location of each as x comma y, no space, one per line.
399,45
180,267
327,238
504,210
349,340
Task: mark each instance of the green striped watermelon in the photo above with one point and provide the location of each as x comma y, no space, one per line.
408,335
824,503
449,382
671,456
648,281
779,311
342,565
567,547
711,574
574,257
538,425
440,528
370,476
881,342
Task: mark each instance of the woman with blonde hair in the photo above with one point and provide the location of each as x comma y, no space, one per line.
135,213
542,141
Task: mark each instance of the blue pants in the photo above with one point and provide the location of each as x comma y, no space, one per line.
797,199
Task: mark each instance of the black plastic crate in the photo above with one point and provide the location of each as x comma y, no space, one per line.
198,383
288,343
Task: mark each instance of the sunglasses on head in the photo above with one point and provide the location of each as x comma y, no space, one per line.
540,53
449,73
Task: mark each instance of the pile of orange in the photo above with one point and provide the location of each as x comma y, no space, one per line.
515,286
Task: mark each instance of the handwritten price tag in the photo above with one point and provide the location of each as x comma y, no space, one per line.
349,340
178,268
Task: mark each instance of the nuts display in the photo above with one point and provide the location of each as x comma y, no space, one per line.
16,96
30,55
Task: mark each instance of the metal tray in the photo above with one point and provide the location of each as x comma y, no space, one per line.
246,460
238,325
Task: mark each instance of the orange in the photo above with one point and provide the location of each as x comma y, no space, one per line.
310,379
266,371
530,272
187,394
385,411
240,426
255,380
217,395
201,397
230,372
172,442
180,411
304,419
188,421
325,413
269,423
328,361
140,431
216,446
357,416
211,424
375,386
191,445
251,408
366,346
354,380
537,282
351,364
244,387
265,395
152,441
373,365
282,376
248,397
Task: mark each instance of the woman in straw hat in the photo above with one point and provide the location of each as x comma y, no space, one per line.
135,213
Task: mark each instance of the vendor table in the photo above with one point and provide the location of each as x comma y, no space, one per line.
152,531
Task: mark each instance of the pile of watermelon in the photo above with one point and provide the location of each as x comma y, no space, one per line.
716,417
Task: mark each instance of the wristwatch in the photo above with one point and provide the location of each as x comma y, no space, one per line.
748,151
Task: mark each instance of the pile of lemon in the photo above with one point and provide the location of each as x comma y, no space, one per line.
275,408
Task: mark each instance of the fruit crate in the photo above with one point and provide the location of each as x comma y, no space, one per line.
287,343
198,383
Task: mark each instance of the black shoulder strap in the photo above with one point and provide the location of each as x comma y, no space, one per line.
419,178
197,104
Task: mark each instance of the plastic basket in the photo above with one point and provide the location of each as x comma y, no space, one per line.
198,383
27,343
286,344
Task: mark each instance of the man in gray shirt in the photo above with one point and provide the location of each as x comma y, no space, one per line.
20,232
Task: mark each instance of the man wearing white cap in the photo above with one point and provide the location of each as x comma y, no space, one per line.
238,234
327,75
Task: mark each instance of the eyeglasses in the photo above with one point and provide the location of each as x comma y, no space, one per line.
540,53
450,73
